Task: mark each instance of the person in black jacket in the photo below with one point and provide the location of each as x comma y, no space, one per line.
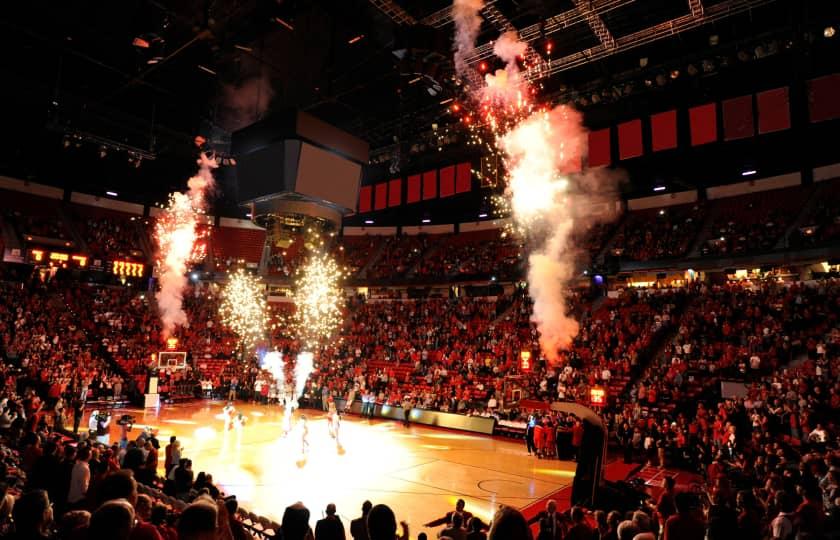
329,528
358,527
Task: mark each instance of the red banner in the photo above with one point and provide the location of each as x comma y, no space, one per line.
773,110
703,121
663,128
630,139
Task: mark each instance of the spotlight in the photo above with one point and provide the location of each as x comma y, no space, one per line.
482,215
829,31
748,172
368,222
482,67
103,151
659,188
355,39
111,193
675,73
643,61
426,220
714,39
206,69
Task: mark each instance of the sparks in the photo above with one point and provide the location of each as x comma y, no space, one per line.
179,241
318,300
244,309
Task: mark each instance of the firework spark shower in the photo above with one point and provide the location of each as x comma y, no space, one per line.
539,146
545,206
177,235
318,300
244,309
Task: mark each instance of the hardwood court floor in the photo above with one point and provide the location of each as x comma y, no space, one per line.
420,472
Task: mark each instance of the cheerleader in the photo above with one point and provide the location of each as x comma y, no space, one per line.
335,424
228,413
304,438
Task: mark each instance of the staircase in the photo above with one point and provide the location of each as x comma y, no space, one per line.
703,234
610,243
807,208
373,259
431,250
145,242
10,238
77,237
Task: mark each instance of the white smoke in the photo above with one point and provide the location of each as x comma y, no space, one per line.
246,102
176,230
551,205
303,367
465,15
273,363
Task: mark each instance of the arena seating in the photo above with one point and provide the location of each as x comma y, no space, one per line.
354,252
755,222
230,245
33,216
821,223
659,233
107,233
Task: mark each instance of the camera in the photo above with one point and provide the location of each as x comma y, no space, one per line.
126,420
103,416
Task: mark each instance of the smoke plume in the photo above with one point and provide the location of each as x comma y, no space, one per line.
465,15
304,364
246,102
176,230
506,86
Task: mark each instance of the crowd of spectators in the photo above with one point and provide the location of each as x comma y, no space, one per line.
768,454
474,255
111,236
753,223
399,255
654,234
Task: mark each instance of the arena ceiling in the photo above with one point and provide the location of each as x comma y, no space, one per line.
140,78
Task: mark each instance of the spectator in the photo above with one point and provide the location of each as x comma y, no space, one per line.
295,524
33,516
79,479
684,525
114,519
455,529
358,526
509,524
382,524
329,528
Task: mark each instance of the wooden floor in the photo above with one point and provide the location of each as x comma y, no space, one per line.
420,472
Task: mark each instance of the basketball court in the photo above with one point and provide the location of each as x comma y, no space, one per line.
420,472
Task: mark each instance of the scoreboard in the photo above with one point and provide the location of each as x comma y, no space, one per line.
128,268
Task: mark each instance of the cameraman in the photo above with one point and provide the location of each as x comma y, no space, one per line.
126,423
